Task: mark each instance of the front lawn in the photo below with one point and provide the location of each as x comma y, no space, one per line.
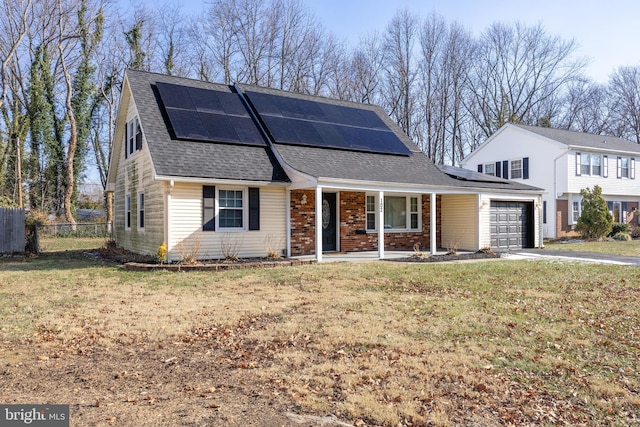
629,248
380,343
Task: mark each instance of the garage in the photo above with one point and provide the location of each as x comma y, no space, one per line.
511,225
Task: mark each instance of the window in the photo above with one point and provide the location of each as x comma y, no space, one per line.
414,212
576,211
140,211
236,209
585,164
516,169
231,208
127,212
596,165
624,167
395,212
490,169
133,137
371,212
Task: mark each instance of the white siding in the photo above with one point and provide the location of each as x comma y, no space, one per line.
459,221
135,175
185,225
612,186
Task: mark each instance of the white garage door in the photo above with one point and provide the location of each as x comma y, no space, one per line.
511,225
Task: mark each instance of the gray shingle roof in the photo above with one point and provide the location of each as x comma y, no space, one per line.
209,160
193,159
585,140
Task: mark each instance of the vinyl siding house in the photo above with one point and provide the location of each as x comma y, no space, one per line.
562,163
212,169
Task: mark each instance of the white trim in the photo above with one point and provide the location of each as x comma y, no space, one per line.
212,181
319,224
288,222
381,224
245,210
433,227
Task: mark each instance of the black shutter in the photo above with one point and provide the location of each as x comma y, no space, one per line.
138,136
208,212
480,168
544,211
498,170
525,168
254,209
126,140
505,169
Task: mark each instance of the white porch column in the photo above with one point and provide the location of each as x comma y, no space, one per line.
288,223
433,226
381,225
319,224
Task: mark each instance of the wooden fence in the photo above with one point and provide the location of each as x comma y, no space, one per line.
11,231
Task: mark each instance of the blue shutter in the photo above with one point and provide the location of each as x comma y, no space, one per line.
525,168
505,169
498,170
480,168
208,222
254,209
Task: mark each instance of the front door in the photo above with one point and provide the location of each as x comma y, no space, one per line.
329,222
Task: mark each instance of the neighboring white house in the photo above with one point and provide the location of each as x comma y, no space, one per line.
562,163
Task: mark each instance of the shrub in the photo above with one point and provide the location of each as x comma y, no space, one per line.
162,253
619,227
595,221
622,236
635,232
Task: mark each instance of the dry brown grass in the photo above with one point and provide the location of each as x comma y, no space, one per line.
507,342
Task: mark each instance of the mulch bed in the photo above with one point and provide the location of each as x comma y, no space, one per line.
448,257
134,262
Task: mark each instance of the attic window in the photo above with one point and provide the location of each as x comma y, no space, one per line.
132,137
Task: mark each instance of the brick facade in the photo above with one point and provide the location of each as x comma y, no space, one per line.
352,213
303,222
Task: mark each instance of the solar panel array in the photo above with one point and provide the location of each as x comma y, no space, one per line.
218,116
321,124
208,115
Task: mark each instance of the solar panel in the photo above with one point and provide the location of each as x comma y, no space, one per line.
208,115
325,125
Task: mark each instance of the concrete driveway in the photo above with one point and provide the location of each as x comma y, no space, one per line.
573,256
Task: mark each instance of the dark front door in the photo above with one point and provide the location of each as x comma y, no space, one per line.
329,222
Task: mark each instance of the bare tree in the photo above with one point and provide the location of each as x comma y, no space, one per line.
624,93
399,94
517,68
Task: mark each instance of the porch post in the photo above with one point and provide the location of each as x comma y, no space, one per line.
319,224
381,225
433,227
288,223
